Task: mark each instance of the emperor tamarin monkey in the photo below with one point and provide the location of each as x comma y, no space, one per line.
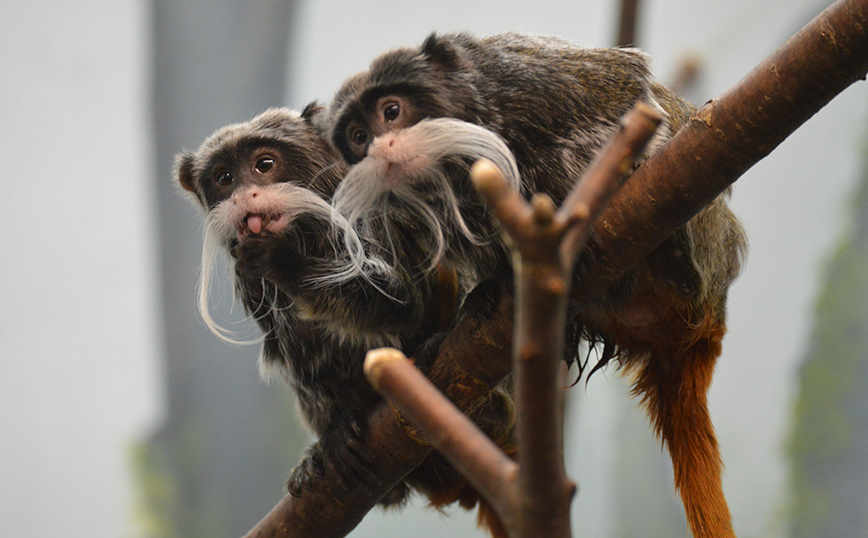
266,186
555,104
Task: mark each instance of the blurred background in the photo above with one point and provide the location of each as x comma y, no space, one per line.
122,416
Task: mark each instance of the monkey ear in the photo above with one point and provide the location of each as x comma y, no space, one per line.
184,171
313,108
315,115
441,51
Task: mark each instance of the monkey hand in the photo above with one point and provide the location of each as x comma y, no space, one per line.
340,453
270,257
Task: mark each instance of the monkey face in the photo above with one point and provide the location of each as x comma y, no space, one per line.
387,114
415,182
258,166
246,186
278,146
255,180
400,89
253,177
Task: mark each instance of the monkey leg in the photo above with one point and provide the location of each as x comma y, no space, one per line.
673,383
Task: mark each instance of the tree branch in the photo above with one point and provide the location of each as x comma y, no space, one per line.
446,427
722,140
727,136
627,23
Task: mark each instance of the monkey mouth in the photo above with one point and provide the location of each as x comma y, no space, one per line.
257,223
398,173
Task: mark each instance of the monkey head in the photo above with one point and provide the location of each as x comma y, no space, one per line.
254,179
412,192
401,88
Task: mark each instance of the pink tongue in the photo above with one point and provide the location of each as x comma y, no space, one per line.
254,222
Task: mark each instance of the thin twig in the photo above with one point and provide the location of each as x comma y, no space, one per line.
627,23
448,429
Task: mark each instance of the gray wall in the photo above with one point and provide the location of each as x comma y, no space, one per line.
79,337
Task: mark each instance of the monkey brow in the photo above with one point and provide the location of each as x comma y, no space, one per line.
249,144
240,148
371,95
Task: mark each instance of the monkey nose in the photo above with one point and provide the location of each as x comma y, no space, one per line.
386,139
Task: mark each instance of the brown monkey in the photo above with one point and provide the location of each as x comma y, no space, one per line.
555,105
266,186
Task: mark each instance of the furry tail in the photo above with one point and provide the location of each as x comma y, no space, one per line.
673,384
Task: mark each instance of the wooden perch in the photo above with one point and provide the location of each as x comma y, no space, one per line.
722,140
727,136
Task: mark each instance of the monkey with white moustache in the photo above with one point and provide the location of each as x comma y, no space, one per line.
555,105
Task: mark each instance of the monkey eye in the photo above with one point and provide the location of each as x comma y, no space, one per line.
391,111
359,137
264,164
224,179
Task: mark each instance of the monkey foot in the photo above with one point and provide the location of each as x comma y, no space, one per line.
341,455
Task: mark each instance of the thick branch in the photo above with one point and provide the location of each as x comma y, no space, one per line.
725,138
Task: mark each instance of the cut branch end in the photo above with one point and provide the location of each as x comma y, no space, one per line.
543,209
378,359
650,118
487,177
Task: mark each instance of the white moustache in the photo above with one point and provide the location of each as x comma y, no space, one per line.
403,169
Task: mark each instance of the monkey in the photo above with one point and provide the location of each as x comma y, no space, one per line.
555,104
265,186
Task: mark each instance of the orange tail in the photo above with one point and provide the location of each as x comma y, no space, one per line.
673,384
